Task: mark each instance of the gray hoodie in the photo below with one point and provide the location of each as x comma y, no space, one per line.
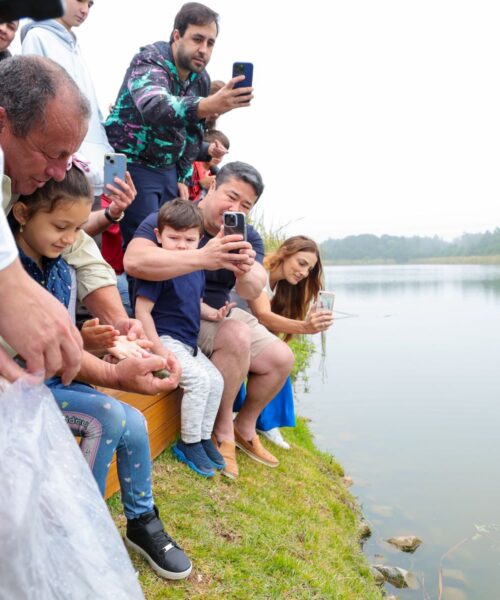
53,40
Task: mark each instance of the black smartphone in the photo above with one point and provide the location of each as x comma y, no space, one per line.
246,69
235,222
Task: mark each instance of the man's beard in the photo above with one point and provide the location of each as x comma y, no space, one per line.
185,62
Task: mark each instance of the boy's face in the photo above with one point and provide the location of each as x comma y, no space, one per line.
76,12
178,239
7,34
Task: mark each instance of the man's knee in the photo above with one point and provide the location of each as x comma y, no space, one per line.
233,337
276,357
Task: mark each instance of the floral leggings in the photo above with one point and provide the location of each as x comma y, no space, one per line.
106,426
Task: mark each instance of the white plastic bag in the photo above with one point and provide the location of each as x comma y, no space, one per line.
57,538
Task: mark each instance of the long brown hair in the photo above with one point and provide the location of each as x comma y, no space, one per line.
293,301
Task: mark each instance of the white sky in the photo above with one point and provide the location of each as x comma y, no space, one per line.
370,116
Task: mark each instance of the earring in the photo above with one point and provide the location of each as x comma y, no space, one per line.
21,228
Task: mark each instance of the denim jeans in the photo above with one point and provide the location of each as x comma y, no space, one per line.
107,425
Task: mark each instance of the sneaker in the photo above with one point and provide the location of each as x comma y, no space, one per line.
213,455
147,536
227,450
274,436
195,458
255,449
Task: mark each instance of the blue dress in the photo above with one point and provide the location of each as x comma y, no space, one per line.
278,413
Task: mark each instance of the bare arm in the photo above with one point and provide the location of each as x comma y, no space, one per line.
145,260
106,304
249,285
316,320
130,374
120,197
143,308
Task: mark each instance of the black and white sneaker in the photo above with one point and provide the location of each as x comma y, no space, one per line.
147,536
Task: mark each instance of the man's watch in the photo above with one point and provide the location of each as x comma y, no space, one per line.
111,219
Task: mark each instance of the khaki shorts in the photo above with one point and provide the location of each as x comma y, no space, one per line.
260,337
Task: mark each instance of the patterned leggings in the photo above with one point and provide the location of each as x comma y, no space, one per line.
107,425
202,384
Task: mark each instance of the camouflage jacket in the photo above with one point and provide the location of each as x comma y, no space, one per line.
154,120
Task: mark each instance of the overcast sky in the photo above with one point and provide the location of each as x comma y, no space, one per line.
370,116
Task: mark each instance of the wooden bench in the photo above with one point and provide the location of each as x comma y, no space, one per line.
163,413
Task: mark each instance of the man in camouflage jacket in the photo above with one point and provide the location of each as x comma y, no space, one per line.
157,119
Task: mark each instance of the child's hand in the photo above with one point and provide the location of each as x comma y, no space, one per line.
98,338
220,314
125,348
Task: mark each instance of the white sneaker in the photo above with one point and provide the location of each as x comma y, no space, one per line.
274,436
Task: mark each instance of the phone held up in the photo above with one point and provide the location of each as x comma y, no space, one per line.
115,165
235,222
325,300
246,69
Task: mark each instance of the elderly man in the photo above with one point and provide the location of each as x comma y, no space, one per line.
239,344
157,119
43,119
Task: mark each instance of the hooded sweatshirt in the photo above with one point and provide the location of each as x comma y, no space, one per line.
53,40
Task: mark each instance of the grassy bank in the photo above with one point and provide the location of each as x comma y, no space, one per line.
436,260
289,532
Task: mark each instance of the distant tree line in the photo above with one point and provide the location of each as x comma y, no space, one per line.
403,249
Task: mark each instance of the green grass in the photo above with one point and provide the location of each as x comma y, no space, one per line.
284,533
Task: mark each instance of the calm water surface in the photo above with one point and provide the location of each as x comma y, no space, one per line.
408,401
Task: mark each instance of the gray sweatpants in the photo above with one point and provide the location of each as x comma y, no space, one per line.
203,386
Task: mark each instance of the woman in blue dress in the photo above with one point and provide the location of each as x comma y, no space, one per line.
288,306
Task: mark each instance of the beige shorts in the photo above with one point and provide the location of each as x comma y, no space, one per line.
260,337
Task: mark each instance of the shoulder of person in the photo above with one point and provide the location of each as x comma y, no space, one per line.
253,235
147,227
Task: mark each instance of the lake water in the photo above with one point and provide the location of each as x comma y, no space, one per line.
408,401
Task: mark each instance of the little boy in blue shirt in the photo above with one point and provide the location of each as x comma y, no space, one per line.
170,312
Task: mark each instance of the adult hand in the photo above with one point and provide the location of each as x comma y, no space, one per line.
245,266
217,252
226,99
132,328
216,149
8,367
206,182
38,326
120,195
183,191
318,320
136,374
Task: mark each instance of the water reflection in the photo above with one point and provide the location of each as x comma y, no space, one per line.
410,407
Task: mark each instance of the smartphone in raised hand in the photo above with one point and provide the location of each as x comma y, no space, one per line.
115,165
235,222
325,300
246,69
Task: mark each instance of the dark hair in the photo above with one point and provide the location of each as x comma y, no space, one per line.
293,301
193,13
243,172
215,86
28,84
180,214
74,185
214,134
